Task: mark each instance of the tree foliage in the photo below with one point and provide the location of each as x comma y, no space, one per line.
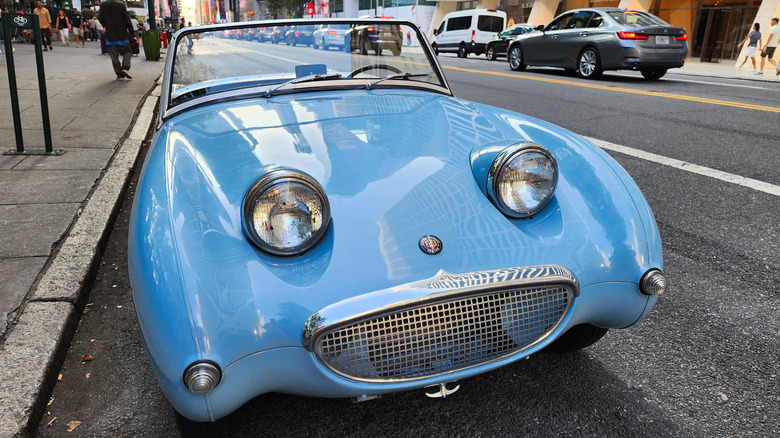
282,8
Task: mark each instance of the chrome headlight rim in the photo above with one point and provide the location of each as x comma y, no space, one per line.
266,182
504,157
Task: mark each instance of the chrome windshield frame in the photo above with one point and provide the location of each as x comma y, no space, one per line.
166,111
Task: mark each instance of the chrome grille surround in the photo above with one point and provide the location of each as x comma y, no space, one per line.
457,322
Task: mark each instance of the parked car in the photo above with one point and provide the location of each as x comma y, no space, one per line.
300,34
468,31
278,34
264,34
331,35
589,41
349,228
375,37
497,46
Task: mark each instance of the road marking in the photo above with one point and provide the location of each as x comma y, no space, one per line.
623,90
720,84
689,167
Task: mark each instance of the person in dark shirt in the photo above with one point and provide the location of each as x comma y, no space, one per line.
116,23
78,27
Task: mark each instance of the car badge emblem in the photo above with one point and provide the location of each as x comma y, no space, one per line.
430,244
666,30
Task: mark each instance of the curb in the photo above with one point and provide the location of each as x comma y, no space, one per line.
35,347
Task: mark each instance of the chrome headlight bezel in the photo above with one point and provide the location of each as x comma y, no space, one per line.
268,182
507,156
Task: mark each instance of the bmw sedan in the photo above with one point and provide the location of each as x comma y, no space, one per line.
589,41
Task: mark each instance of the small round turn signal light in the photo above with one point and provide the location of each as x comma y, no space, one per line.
202,377
654,282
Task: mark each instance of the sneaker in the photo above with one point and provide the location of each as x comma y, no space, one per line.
760,73
120,78
45,49
777,71
126,74
51,48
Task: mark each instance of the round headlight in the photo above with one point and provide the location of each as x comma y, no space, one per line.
286,212
522,179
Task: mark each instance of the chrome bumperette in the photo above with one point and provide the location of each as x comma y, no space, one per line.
443,324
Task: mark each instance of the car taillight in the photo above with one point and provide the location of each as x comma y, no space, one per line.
332,32
370,29
631,36
683,37
297,34
473,35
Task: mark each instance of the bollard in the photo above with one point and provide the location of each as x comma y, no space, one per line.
27,21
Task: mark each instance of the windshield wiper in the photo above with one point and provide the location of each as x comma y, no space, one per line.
370,85
310,78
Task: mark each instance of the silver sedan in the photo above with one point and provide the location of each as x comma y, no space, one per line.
589,41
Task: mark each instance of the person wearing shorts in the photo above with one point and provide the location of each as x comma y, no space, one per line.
755,40
771,44
78,27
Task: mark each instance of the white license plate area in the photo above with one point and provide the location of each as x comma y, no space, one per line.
662,39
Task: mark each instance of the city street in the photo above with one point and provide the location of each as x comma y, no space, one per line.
705,152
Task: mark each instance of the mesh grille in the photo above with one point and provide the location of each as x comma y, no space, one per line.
439,337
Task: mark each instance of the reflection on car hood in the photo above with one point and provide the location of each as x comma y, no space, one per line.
395,165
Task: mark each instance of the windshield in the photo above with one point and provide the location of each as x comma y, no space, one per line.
274,58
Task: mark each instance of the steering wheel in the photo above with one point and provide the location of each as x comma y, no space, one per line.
374,67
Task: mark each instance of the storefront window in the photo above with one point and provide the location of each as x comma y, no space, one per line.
714,28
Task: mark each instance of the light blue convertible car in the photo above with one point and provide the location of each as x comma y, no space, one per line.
336,224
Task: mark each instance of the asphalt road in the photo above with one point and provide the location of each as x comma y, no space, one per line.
704,363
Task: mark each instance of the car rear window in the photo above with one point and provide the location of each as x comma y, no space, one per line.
489,23
636,18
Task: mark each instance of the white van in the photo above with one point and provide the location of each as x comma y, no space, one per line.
468,31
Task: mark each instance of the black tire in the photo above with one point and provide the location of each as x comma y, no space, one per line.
653,74
435,49
396,51
194,429
462,52
589,63
578,337
515,58
490,53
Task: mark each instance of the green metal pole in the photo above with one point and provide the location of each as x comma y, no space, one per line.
36,30
6,17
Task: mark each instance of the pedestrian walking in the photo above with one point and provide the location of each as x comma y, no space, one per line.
771,44
63,26
78,28
92,29
755,40
44,22
116,22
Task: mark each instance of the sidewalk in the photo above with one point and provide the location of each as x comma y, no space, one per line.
56,211
727,69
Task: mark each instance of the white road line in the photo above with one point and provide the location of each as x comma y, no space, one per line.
690,167
701,82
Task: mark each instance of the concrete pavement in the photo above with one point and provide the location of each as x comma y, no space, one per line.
56,211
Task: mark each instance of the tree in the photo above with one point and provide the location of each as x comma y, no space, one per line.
292,7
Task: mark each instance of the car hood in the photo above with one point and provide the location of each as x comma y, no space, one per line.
395,165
